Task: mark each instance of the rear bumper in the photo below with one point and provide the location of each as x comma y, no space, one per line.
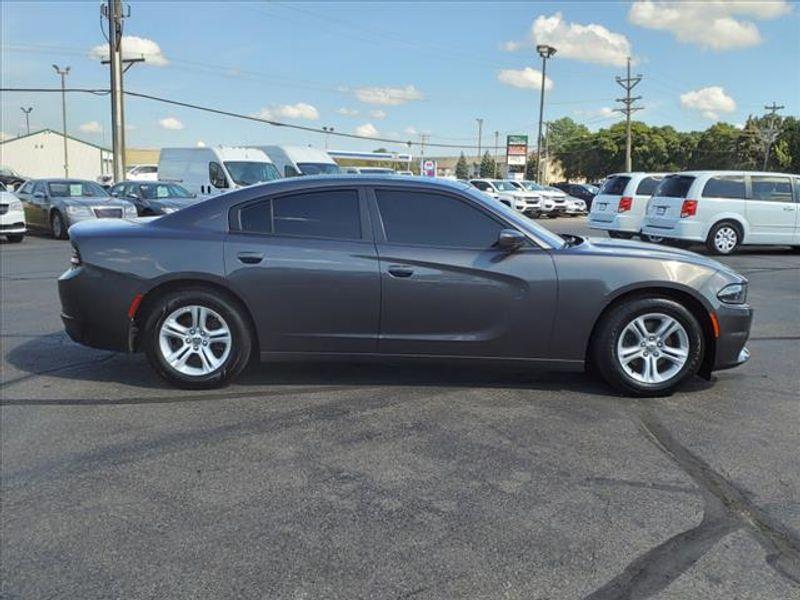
734,330
620,222
678,230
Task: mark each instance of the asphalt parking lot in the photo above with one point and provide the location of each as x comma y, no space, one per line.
393,481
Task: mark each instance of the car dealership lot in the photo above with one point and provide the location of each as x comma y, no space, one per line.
349,481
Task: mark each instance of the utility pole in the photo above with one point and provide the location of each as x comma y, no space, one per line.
63,73
113,12
546,144
327,130
545,52
423,139
480,137
496,155
771,132
627,109
27,112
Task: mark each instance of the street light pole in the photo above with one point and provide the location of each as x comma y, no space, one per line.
63,73
27,112
115,15
496,155
545,52
480,137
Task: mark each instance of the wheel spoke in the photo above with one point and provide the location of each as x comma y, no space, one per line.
173,328
207,358
675,355
178,358
667,328
640,327
630,353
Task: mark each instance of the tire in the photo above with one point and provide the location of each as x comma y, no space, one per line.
15,238
58,227
206,363
724,238
618,332
652,239
620,235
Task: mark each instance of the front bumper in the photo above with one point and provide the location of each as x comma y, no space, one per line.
734,330
12,222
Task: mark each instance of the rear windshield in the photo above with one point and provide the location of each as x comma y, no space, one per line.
674,186
647,186
615,186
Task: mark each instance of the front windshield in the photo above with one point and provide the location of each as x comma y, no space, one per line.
155,191
76,189
319,169
532,186
2,187
504,186
248,172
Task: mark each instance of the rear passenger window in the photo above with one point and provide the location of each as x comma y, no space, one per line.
728,186
325,214
431,219
615,186
674,186
770,188
647,186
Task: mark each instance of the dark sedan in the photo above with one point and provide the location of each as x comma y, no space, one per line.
582,191
376,267
153,198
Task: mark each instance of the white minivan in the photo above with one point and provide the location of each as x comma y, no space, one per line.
209,171
725,209
292,161
619,206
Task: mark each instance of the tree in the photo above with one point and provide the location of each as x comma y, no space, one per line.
462,168
530,167
488,166
717,148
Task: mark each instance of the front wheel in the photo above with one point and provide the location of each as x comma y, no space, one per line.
648,347
652,239
57,226
196,339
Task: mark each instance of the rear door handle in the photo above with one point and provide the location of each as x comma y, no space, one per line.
788,208
400,271
250,258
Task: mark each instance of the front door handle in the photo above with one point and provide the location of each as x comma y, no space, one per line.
788,208
400,271
250,258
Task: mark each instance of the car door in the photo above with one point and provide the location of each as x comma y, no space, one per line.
24,193
771,210
37,209
307,267
446,287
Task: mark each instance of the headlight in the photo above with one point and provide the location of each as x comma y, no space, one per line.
735,293
77,210
15,205
130,210
168,210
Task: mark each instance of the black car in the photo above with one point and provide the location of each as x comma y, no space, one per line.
583,191
153,198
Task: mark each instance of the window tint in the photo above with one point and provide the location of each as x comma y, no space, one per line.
648,185
481,185
674,186
615,186
771,188
26,188
38,187
216,175
725,186
328,214
434,220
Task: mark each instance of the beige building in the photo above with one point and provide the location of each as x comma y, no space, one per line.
41,154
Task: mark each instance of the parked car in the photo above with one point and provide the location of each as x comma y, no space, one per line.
575,207
620,205
292,161
389,267
56,204
142,173
209,171
153,198
556,196
10,178
725,209
583,191
407,173
12,216
368,170
507,192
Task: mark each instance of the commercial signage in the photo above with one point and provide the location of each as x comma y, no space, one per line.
427,168
516,150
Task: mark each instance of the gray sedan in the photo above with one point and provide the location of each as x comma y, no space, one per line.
377,268
56,204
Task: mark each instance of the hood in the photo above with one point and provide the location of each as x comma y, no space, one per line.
7,197
553,195
89,201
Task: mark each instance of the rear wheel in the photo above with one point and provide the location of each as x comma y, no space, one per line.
196,339
620,235
58,226
15,238
653,239
724,238
647,347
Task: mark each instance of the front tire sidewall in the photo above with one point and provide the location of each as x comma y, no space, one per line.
58,226
240,339
604,353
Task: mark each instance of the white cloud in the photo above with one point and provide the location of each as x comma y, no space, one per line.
389,96
603,112
90,127
367,130
134,47
171,123
347,112
711,24
301,110
377,114
709,101
410,130
512,46
200,144
524,78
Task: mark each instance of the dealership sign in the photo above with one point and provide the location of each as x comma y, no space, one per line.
428,168
516,150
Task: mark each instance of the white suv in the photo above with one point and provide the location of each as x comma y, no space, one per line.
619,206
725,209
531,204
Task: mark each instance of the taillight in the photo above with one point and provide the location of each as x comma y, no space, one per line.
689,208
625,204
75,259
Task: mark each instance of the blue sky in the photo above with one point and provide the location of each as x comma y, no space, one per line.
398,69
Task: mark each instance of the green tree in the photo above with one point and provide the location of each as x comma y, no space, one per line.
462,168
716,148
488,166
530,167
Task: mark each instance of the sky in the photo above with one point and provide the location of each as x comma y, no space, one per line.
398,70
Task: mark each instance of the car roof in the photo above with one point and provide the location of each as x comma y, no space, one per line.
367,179
63,180
712,173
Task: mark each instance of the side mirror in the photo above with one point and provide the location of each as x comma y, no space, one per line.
510,240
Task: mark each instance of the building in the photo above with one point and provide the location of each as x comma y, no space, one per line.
41,154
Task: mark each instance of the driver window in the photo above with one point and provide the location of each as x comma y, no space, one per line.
216,175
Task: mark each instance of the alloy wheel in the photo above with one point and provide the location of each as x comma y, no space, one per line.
653,348
195,340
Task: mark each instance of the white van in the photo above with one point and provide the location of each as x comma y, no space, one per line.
620,204
292,161
725,209
209,171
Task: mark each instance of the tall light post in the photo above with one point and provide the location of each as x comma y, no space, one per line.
480,137
63,73
327,131
545,52
27,112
